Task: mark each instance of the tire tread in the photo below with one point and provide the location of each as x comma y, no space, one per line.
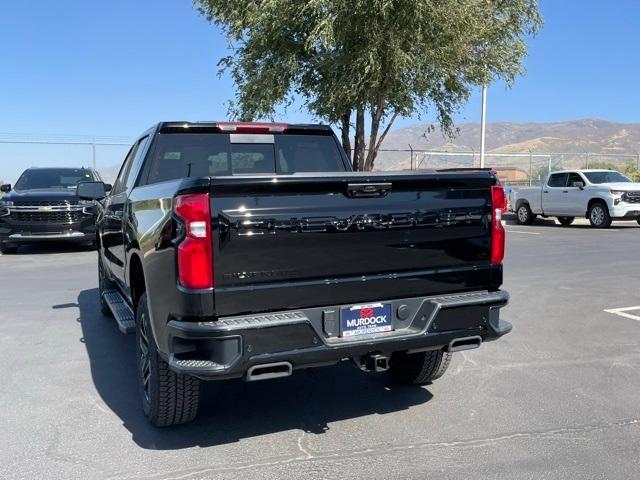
175,398
419,368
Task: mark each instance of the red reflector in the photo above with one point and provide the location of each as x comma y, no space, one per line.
497,230
252,127
195,252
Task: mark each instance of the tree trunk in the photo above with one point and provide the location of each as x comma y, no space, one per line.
375,144
359,145
345,119
376,116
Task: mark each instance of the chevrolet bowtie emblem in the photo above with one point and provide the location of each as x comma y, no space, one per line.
45,209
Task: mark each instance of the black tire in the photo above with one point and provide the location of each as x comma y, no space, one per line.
7,249
418,368
524,215
565,221
103,284
599,215
168,398
638,220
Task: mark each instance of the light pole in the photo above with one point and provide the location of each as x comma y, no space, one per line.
483,121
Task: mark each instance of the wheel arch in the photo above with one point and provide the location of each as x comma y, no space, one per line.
136,280
522,201
595,200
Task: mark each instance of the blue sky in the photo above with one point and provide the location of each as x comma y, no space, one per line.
113,68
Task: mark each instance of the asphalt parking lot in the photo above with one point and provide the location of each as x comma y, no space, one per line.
557,398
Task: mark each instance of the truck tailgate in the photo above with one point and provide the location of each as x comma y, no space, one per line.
298,241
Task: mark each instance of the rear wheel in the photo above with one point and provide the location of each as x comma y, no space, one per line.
599,215
6,248
564,221
168,398
524,214
419,368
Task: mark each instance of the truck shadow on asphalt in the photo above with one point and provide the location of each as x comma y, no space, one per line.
310,400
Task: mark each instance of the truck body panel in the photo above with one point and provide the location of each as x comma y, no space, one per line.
252,250
306,235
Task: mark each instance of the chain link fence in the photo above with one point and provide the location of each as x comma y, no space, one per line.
106,154
513,168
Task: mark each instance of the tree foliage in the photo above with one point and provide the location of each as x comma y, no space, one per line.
630,168
632,171
369,61
603,165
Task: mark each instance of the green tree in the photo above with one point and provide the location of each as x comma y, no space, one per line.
631,170
603,165
382,59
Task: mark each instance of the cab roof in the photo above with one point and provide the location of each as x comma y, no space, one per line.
583,170
242,127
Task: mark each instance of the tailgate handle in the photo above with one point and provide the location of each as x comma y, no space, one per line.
368,189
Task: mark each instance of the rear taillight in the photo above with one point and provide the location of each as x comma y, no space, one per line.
195,255
497,230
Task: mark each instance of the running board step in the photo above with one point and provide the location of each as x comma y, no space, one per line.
121,311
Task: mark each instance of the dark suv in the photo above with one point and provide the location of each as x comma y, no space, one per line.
43,206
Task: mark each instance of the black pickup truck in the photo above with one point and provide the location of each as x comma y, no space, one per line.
42,207
251,250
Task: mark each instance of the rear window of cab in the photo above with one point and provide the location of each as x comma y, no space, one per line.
177,155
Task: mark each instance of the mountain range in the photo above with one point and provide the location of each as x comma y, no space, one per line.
575,136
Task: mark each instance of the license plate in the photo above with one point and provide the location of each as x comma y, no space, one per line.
366,319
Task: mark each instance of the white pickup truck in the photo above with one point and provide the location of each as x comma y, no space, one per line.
599,195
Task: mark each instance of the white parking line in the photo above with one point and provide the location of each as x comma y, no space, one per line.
622,312
524,233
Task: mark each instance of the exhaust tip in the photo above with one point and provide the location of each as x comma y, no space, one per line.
465,343
268,371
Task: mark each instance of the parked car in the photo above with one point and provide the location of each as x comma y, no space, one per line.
43,206
240,250
599,195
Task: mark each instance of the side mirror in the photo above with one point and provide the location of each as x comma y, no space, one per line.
6,188
108,187
91,190
579,185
